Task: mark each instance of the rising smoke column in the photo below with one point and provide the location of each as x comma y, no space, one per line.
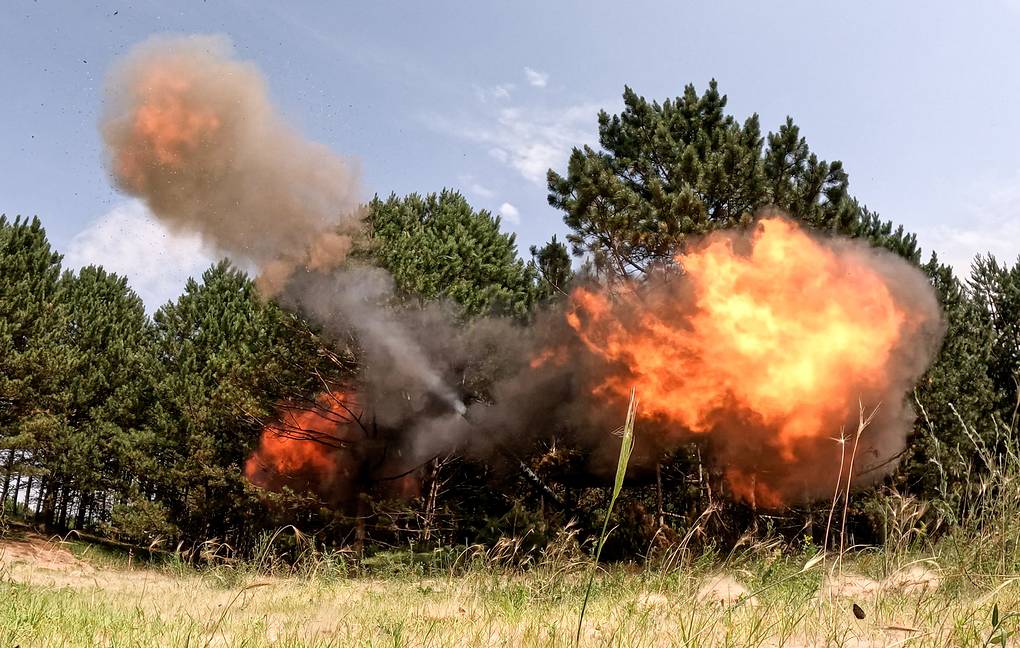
765,349
190,130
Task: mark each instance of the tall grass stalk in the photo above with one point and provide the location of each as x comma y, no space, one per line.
626,445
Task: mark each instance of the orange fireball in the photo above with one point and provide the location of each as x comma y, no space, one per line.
300,449
766,345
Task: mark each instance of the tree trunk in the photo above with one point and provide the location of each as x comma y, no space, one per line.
17,491
8,468
431,501
361,516
49,505
43,487
658,495
28,495
83,510
65,500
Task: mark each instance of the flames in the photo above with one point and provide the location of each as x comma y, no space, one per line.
765,349
302,449
766,346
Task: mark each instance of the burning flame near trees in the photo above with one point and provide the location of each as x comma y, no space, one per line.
301,449
766,346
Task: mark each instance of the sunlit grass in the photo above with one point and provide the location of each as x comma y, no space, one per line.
960,587
485,604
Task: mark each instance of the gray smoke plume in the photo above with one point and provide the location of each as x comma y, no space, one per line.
190,130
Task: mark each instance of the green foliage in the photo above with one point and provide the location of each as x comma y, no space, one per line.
670,171
438,247
105,396
958,379
141,427
996,290
33,359
226,357
141,520
553,263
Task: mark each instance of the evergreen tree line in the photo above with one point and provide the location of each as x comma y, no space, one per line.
138,427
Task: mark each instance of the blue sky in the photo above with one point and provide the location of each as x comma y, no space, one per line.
919,100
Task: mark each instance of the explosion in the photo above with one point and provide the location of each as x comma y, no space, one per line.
167,128
303,448
766,348
768,345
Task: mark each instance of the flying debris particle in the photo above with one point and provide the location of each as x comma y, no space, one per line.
859,611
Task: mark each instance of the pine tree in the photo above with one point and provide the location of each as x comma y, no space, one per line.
553,263
107,388
439,247
667,172
227,357
29,315
958,379
996,289
33,357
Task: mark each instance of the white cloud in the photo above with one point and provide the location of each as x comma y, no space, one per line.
510,213
990,222
476,188
528,139
536,78
129,241
499,92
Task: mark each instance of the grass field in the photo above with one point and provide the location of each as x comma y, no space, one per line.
947,575
75,594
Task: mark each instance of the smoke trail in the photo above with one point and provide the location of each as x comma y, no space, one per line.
191,131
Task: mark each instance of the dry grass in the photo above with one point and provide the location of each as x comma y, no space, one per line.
50,597
961,590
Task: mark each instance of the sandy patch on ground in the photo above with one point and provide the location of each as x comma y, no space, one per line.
852,586
37,554
725,590
912,579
